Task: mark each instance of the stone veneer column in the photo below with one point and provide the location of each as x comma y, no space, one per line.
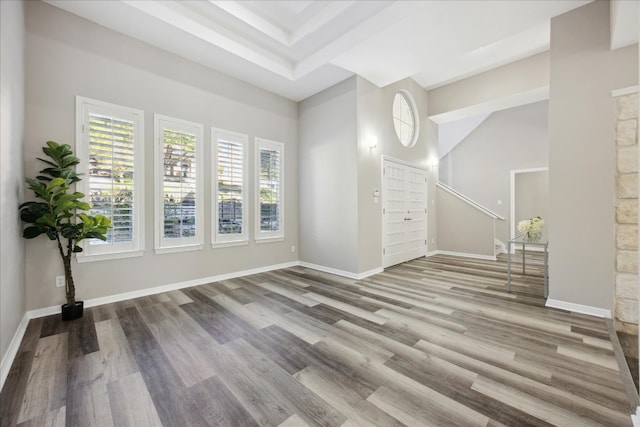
626,289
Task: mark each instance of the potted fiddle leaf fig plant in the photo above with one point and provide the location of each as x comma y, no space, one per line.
58,215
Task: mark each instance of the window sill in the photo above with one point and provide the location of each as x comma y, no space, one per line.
269,239
104,257
218,245
175,249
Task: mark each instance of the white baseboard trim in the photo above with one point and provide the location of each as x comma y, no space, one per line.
12,350
370,273
462,254
47,311
579,308
343,273
635,418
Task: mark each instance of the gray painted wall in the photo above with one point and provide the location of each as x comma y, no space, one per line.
340,224
531,198
462,227
479,167
581,153
328,178
12,288
69,56
518,77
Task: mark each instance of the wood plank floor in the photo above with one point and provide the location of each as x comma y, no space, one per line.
436,341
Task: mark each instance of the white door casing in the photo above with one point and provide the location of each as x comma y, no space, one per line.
404,212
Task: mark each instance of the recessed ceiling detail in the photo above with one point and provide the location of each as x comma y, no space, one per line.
298,48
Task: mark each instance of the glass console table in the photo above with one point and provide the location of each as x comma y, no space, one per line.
520,240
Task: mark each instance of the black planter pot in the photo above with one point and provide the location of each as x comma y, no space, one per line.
72,312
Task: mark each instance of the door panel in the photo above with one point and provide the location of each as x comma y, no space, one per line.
404,213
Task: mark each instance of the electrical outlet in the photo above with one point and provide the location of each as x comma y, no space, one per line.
59,281
293,249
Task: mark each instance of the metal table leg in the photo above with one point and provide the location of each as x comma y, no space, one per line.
523,259
546,272
509,267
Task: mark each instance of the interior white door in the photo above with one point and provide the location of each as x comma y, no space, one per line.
404,213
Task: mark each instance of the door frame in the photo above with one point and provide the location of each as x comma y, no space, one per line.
385,158
512,195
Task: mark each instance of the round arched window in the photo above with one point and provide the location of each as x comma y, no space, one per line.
405,118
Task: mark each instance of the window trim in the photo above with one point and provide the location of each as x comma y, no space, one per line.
413,110
84,106
217,240
269,236
163,245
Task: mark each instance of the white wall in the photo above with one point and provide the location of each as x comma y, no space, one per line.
479,167
12,288
328,178
581,154
69,56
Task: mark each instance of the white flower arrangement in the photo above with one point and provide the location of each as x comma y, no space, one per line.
531,226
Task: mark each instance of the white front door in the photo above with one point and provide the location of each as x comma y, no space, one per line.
404,213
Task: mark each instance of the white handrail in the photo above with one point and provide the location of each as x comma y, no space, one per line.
469,201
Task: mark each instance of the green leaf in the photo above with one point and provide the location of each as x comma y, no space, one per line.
56,182
48,219
71,231
52,145
66,197
31,211
55,172
96,235
47,162
70,161
64,206
34,183
83,206
32,232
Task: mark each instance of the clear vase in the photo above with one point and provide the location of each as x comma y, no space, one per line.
533,236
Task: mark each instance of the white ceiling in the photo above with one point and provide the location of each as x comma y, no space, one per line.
298,48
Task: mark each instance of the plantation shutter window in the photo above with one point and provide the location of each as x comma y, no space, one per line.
270,166
178,150
230,187
109,144
111,175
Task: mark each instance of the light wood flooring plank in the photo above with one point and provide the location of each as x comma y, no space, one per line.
308,405
131,403
348,402
88,404
542,409
54,418
47,380
184,354
294,421
414,414
218,406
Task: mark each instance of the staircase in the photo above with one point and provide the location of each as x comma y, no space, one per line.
465,227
